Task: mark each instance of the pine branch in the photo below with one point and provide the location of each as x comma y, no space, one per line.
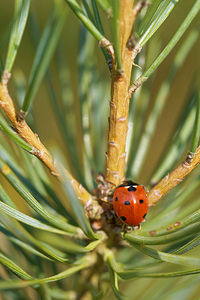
174,178
38,149
119,104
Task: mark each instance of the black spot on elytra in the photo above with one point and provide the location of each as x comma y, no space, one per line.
116,199
144,216
132,188
123,218
141,201
127,203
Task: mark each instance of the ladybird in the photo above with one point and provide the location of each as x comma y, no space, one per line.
130,203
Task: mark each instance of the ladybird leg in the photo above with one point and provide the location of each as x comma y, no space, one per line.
124,229
129,228
137,227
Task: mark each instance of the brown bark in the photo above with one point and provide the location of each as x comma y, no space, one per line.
119,104
174,178
38,149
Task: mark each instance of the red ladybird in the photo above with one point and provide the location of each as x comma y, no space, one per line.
130,203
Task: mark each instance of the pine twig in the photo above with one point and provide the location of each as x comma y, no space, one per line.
119,104
174,178
38,149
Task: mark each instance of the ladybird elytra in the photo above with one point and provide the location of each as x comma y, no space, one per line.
130,203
